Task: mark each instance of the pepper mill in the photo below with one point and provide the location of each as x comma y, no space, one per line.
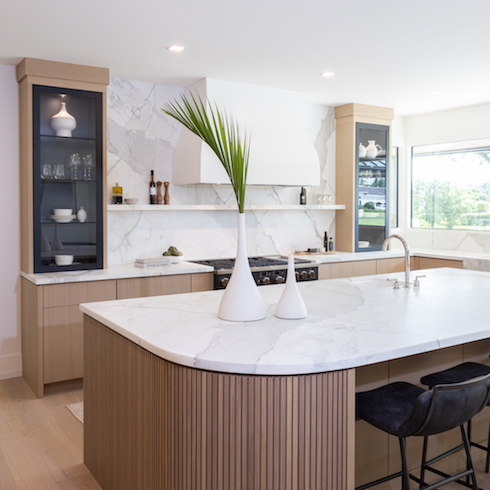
167,195
159,193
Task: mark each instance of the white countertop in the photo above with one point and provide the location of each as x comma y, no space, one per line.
350,323
115,272
470,260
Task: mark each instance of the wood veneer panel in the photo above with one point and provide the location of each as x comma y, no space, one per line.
32,336
153,286
202,282
78,292
429,263
63,344
153,424
353,269
395,264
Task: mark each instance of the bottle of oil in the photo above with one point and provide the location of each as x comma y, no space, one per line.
302,196
117,194
153,190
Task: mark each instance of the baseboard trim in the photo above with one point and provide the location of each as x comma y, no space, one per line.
11,366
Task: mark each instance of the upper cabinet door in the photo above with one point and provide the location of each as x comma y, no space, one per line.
67,179
281,151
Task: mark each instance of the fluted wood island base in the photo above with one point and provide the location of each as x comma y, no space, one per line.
152,424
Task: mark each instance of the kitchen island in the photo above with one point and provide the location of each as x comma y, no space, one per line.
177,399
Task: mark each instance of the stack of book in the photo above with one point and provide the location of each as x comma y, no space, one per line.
156,262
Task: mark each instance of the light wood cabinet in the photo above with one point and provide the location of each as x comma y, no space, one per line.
353,269
386,266
430,263
52,323
348,118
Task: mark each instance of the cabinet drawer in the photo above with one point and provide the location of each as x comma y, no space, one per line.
324,272
153,286
395,264
63,344
202,282
353,269
76,293
428,263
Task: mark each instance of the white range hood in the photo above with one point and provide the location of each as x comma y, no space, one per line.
281,153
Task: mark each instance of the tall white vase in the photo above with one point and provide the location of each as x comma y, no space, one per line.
63,122
291,305
241,300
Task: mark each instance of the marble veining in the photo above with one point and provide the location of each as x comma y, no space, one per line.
141,138
351,322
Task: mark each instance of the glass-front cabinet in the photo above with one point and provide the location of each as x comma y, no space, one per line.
67,179
372,184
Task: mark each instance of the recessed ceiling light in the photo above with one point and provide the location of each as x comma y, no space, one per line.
435,92
327,74
176,47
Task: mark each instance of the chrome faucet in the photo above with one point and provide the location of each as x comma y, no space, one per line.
407,256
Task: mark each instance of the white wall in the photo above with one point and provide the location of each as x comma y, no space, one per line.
461,124
10,340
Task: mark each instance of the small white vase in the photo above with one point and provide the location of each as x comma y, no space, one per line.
362,150
291,305
63,122
241,300
82,214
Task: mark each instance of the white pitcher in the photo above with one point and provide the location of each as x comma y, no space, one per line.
372,149
362,150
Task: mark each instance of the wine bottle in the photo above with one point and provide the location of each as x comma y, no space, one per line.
302,196
325,242
153,190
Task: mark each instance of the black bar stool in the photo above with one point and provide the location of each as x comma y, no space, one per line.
404,410
456,374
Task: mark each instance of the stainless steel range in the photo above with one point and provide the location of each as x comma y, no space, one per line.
265,270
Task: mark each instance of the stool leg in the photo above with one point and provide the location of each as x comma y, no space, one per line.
405,475
424,459
469,461
487,464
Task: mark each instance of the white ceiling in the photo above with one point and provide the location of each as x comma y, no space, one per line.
389,53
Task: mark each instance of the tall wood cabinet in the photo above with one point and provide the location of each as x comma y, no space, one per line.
362,179
62,168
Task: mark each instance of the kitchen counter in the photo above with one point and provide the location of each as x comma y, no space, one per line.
165,377
115,272
350,323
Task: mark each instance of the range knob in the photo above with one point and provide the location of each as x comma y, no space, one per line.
304,275
266,280
224,281
279,279
311,274
297,275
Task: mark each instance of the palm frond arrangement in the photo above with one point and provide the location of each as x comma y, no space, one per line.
222,135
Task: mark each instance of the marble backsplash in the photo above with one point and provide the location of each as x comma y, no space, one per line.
141,138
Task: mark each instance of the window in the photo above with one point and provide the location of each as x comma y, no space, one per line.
451,185
394,188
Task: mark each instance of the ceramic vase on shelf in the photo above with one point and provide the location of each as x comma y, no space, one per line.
291,305
63,122
241,300
82,214
372,149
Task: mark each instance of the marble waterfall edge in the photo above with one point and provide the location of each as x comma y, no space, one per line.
241,300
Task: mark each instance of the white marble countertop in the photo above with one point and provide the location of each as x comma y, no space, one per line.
350,323
115,272
470,260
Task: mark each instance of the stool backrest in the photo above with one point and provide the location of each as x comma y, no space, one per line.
447,406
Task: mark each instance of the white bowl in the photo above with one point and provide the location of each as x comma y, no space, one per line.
131,200
63,259
362,244
62,218
62,212
175,259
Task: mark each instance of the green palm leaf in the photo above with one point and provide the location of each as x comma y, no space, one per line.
222,135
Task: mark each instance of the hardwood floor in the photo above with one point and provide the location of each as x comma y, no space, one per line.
41,443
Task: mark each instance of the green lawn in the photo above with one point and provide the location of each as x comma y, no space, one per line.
373,218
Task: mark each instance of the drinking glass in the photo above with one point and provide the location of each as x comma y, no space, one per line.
59,172
74,164
46,171
88,164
